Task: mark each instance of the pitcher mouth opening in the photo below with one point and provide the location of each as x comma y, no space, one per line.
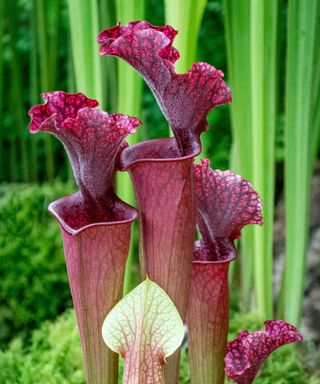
223,253
230,258
73,218
157,150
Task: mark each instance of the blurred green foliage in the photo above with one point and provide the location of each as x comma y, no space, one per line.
54,356
27,49
33,278
24,31
22,66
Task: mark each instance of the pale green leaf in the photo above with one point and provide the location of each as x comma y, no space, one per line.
145,328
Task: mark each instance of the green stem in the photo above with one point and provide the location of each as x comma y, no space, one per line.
53,46
237,18
129,102
185,16
34,94
263,65
2,15
17,92
315,134
44,77
109,72
302,19
252,46
84,26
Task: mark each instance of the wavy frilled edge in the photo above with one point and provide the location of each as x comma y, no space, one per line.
248,351
58,106
93,140
185,99
226,203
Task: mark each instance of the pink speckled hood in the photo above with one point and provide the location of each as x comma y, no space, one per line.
185,99
248,351
226,203
95,223
162,170
93,140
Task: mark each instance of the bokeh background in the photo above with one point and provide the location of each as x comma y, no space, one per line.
270,54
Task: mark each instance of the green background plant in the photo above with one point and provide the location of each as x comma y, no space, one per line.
54,356
300,135
33,280
274,120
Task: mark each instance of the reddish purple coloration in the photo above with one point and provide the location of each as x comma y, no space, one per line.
93,139
248,351
164,190
226,203
94,222
58,107
208,321
185,99
96,257
73,217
